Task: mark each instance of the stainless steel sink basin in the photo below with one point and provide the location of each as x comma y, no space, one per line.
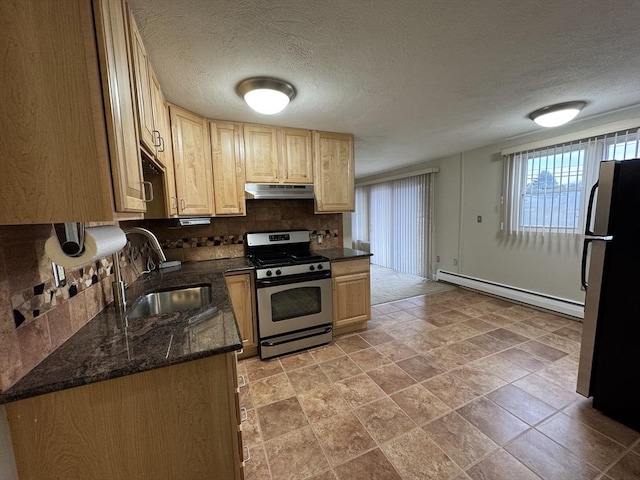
169,301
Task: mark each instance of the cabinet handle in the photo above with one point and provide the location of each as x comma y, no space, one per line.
144,190
247,456
243,383
161,147
245,414
155,134
182,205
176,204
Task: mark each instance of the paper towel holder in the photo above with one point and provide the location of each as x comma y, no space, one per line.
70,236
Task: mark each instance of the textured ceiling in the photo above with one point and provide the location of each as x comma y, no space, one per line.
414,80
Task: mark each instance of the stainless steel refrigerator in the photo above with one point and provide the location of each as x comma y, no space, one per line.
610,354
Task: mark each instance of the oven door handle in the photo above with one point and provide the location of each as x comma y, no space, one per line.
305,277
310,333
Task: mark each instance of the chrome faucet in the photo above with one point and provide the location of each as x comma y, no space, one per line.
119,286
153,240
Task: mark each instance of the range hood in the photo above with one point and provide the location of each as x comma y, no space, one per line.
277,192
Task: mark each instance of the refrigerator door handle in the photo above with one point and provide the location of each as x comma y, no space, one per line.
587,228
585,248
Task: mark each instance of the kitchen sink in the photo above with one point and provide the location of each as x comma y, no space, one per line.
170,301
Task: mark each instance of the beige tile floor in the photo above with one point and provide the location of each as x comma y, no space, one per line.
454,385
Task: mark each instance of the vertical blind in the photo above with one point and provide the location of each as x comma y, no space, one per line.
547,188
392,220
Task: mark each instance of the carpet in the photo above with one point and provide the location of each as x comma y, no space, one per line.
389,285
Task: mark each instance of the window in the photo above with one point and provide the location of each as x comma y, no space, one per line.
392,221
547,188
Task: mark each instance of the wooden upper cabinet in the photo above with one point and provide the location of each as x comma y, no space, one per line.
333,172
296,162
148,133
164,153
54,153
67,119
228,168
113,40
192,161
261,153
160,111
277,155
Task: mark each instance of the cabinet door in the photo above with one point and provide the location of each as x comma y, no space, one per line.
192,162
124,147
148,135
158,110
228,168
241,293
177,422
164,152
333,172
351,299
53,152
296,159
261,153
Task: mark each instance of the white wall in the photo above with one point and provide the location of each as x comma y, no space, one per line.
470,184
546,264
7,462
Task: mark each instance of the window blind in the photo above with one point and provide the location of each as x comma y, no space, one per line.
393,219
546,188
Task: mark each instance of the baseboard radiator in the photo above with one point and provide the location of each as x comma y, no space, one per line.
520,295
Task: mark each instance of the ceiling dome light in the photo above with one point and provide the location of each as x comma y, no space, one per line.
266,95
556,115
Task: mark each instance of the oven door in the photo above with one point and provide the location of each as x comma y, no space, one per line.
288,307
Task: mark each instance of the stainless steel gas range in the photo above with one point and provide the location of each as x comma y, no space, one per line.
293,291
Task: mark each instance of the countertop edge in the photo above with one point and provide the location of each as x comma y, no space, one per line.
342,254
334,255
111,375
138,365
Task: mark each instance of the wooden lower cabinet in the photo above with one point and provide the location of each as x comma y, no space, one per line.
242,293
174,422
351,294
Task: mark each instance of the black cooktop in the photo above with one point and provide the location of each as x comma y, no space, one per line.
279,259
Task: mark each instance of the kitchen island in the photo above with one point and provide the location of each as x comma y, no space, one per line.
155,399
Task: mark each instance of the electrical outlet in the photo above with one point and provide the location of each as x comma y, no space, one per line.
58,275
438,259
455,262
479,219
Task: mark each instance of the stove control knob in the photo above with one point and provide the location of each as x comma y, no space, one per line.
278,272
269,273
320,267
312,268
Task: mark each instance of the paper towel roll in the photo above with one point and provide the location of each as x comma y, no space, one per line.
99,242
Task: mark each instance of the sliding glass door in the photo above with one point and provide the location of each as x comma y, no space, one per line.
392,220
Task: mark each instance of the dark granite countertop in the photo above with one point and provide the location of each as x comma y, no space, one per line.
337,254
104,348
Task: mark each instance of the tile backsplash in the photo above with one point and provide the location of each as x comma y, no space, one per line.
36,317
224,237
